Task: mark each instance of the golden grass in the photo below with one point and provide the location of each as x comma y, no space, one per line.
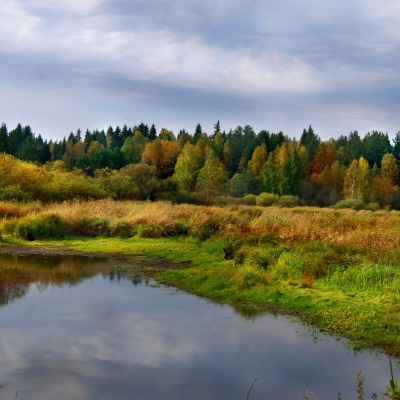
377,232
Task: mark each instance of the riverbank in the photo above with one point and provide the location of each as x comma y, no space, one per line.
338,271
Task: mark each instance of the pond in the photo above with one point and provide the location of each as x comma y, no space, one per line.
91,328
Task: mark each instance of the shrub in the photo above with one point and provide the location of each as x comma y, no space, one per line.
249,200
123,230
248,276
14,193
372,207
288,201
202,225
354,204
38,227
150,231
266,199
91,227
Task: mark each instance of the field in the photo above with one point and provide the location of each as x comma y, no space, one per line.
336,269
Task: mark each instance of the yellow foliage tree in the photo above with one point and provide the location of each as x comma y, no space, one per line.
258,160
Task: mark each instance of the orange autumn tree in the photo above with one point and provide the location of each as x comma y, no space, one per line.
324,156
163,154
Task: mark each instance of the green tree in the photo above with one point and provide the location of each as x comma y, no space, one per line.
212,177
143,182
396,147
3,138
269,177
153,133
15,139
198,133
354,146
217,127
183,138
133,148
166,134
217,144
310,141
375,145
245,183
187,167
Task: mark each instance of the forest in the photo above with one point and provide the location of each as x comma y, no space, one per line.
239,166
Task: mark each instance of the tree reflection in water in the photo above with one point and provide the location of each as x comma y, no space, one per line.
19,272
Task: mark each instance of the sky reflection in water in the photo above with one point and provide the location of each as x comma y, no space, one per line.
107,338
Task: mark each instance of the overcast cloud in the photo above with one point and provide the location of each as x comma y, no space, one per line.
72,64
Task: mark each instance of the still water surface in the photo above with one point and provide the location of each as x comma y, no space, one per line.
80,328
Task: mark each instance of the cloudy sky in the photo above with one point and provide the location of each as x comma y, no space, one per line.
275,65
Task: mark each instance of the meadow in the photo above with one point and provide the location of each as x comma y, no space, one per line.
336,269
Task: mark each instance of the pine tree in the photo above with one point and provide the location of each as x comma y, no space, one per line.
197,133
3,138
153,133
310,141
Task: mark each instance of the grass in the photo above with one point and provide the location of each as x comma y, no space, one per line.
336,269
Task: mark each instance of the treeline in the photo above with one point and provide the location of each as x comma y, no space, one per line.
140,163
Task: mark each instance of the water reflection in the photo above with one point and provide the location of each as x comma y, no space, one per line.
19,272
114,336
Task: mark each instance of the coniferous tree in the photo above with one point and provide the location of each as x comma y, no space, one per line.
15,139
310,141
143,129
396,147
3,138
354,147
217,127
375,146
153,133
197,133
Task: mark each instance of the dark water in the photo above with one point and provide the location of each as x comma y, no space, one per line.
82,329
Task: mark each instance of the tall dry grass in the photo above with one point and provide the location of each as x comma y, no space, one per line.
377,233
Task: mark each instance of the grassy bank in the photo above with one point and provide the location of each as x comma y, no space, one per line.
337,269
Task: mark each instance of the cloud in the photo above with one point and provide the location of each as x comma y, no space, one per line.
183,52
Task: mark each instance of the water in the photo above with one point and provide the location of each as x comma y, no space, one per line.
79,328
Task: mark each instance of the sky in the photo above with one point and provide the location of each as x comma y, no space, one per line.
274,65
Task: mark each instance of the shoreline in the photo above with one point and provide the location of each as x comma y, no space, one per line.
190,266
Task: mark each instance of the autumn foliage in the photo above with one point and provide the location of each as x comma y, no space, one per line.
137,164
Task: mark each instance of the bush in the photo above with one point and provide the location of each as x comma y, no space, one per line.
123,230
14,193
372,207
248,276
354,204
91,227
288,201
249,200
150,231
266,199
38,227
203,225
